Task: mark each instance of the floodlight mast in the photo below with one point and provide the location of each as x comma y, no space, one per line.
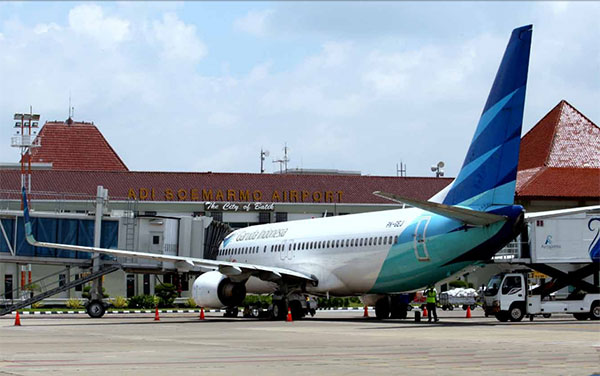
438,169
25,140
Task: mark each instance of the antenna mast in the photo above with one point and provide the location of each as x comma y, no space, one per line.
284,161
401,172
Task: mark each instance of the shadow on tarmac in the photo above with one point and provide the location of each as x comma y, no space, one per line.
380,324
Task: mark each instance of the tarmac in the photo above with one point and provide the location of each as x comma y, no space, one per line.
331,343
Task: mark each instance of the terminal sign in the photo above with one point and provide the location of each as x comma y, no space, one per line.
234,195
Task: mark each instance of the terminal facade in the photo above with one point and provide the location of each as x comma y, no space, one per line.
188,213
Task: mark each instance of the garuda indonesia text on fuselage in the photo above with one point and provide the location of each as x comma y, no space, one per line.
375,254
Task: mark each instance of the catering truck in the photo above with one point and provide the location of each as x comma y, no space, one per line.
556,270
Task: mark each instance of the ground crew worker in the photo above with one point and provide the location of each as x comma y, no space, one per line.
431,295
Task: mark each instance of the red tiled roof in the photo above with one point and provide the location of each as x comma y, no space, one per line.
561,182
563,138
187,186
76,146
560,156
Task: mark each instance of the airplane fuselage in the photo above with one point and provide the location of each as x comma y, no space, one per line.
378,252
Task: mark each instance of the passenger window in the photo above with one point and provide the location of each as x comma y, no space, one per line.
395,239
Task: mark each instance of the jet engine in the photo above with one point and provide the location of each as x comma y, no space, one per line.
216,290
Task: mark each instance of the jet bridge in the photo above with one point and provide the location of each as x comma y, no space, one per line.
123,229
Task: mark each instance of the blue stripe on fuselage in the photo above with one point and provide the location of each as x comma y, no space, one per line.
445,239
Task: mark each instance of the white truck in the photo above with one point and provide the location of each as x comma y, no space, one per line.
556,270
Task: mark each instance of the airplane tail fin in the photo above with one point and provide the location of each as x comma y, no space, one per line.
489,171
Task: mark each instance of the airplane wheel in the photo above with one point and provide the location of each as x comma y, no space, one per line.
296,308
382,308
95,309
231,312
279,310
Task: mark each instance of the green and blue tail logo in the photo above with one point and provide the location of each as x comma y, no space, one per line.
489,171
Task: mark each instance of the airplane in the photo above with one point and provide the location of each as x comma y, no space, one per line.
378,254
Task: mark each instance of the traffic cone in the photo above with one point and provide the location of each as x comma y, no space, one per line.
156,316
366,314
289,315
468,312
201,313
425,314
18,320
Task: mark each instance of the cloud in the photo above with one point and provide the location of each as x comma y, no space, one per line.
89,19
254,22
354,100
178,40
44,28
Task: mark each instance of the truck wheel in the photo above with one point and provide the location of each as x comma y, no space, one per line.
382,308
516,313
595,311
451,307
581,316
95,309
501,316
444,308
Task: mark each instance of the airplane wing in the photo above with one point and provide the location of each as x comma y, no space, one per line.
560,212
467,216
236,270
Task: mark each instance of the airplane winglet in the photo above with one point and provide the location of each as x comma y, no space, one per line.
467,216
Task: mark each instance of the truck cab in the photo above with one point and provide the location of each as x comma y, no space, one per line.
505,297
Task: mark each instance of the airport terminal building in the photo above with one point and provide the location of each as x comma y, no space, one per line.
188,213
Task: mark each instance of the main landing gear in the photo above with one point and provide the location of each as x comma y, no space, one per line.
391,306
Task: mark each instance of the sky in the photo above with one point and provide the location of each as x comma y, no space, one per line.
362,86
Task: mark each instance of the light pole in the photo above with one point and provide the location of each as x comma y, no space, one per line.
25,139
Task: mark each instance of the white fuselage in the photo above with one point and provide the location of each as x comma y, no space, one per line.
344,253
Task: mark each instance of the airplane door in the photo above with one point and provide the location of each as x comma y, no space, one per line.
420,239
289,246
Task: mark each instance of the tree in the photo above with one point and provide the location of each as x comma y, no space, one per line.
166,293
